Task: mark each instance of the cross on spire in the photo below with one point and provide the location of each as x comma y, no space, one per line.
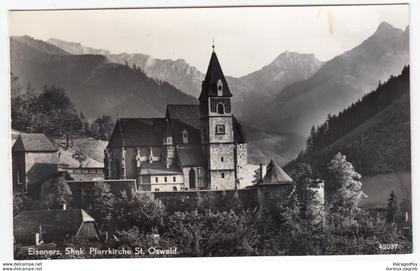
213,45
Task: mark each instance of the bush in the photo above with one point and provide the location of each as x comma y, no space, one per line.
137,209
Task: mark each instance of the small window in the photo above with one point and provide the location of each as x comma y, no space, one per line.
174,188
223,175
221,159
174,179
185,137
166,179
220,129
219,88
157,179
157,189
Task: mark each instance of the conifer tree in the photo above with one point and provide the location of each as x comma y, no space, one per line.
392,207
343,186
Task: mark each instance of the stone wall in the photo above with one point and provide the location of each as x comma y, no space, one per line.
227,137
222,182
242,160
206,199
222,157
269,198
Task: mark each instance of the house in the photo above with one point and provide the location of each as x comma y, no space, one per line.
53,226
34,159
193,147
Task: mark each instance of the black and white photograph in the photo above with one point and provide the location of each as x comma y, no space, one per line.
210,131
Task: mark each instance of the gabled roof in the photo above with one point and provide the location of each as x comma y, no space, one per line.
190,156
275,175
137,132
56,225
184,117
27,142
187,113
213,75
159,168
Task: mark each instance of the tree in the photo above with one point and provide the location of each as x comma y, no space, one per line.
391,210
85,125
20,105
51,112
103,204
56,192
137,209
80,157
343,187
309,190
102,127
257,175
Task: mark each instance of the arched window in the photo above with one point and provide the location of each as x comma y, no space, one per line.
191,178
117,171
174,188
220,108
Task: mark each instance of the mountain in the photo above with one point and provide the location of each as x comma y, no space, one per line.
337,84
374,132
38,45
249,90
176,72
75,48
261,86
93,84
287,68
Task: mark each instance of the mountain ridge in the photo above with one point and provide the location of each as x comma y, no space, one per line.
338,83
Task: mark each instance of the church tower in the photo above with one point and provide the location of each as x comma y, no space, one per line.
216,121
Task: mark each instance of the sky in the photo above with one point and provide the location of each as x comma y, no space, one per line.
246,39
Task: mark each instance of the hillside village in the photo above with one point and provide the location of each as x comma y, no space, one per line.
188,160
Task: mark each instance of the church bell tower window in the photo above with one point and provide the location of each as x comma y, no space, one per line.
219,88
220,129
220,109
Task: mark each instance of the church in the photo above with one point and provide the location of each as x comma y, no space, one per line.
194,147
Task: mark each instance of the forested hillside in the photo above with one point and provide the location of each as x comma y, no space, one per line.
95,86
374,132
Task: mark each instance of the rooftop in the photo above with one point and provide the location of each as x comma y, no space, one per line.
55,224
275,175
159,168
28,142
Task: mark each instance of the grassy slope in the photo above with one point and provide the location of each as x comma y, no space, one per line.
92,148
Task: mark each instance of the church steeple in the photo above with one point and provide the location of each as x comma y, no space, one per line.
214,84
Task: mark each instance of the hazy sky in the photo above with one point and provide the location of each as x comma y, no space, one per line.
246,39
